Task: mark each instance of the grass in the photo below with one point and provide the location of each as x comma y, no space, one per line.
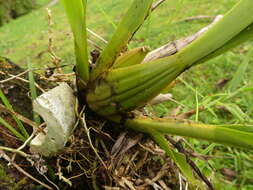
21,127
33,90
27,37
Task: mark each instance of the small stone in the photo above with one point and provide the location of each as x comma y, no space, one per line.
57,108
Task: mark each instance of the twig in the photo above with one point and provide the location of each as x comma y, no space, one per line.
64,74
87,130
175,111
27,141
24,80
51,182
173,47
158,176
161,98
7,158
93,176
26,71
200,17
20,117
60,174
190,113
104,148
76,176
178,145
24,145
55,59
97,36
157,4
15,76
180,181
9,135
77,115
163,185
179,103
52,3
94,44
16,151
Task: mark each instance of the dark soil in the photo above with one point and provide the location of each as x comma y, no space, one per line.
127,160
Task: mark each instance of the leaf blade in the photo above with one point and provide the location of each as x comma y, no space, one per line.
132,20
76,13
238,77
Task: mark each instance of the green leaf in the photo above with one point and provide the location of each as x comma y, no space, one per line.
178,158
33,90
9,106
12,129
131,57
233,136
236,20
236,111
239,127
240,73
76,12
245,35
129,24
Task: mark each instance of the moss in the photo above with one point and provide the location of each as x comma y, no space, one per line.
21,183
10,181
2,173
6,181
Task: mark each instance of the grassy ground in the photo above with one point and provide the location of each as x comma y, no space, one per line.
27,39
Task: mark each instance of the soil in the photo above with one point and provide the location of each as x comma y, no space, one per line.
117,159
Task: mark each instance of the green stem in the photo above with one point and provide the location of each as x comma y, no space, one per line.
12,129
221,134
178,158
33,91
9,107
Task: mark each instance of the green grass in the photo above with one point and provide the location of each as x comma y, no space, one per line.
24,135
28,37
17,41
